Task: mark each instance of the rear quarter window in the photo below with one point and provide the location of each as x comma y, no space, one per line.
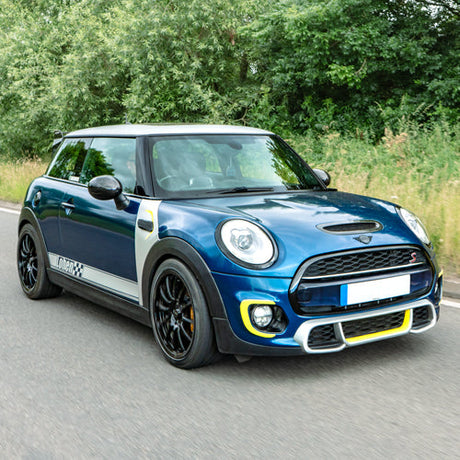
68,162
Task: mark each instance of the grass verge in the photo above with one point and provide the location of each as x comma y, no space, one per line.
15,177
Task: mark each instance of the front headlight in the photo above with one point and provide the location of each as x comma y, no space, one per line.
415,224
246,244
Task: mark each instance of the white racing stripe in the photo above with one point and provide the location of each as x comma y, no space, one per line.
144,240
449,303
10,211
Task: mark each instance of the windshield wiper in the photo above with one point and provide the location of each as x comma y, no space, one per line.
241,189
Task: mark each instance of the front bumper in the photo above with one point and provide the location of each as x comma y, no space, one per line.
233,336
334,333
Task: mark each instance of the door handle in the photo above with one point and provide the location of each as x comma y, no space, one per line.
68,206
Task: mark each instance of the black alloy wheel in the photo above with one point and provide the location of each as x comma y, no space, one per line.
174,315
28,262
180,317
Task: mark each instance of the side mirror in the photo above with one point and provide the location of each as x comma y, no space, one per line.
108,188
323,175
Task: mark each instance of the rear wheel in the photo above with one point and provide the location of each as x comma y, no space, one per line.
31,266
180,317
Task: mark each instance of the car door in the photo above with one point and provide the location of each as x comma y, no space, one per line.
97,240
63,171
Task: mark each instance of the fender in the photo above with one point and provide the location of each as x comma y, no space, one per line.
179,249
27,216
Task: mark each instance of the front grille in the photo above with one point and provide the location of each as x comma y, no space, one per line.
365,261
319,280
328,334
372,325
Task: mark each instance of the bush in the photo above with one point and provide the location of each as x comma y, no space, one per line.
291,66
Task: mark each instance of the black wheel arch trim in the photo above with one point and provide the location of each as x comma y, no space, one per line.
171,247
27,216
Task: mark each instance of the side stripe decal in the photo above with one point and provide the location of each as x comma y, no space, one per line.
94,276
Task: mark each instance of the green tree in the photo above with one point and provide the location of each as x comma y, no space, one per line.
293,64
183,58
334,63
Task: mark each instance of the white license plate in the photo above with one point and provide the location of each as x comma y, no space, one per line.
368,291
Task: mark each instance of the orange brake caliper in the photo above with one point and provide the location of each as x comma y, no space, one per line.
192,317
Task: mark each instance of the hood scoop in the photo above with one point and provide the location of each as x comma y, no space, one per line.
360,226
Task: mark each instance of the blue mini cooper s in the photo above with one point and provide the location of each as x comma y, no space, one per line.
224,241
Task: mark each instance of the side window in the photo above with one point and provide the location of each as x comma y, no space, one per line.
114,157
68,162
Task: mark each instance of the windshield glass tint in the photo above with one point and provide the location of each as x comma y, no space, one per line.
195,165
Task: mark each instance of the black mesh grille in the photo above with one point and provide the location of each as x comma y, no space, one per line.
320,279
421,317
364,261
322,337
372,325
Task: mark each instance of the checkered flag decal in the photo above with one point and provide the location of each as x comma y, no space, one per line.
78,269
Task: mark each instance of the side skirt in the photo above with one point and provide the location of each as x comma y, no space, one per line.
101,297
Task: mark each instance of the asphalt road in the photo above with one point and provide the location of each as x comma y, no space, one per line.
78,381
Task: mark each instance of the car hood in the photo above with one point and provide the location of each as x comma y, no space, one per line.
293,219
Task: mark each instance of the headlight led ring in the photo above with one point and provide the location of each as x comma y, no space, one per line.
246,243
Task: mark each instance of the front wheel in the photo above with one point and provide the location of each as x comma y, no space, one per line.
180,317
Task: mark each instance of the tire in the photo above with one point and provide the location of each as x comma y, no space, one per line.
31,266
180,317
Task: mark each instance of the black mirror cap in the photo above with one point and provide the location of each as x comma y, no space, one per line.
323,175
104,187
108,188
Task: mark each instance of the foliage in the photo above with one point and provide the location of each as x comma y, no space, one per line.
294,65
357,63
15,177
182,58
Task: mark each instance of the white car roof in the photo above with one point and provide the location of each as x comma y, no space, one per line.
128,130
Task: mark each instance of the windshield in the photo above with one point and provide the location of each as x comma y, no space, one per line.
195,165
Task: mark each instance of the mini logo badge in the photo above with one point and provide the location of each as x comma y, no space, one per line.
413,258
365,239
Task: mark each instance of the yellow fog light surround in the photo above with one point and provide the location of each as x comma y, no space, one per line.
253,311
